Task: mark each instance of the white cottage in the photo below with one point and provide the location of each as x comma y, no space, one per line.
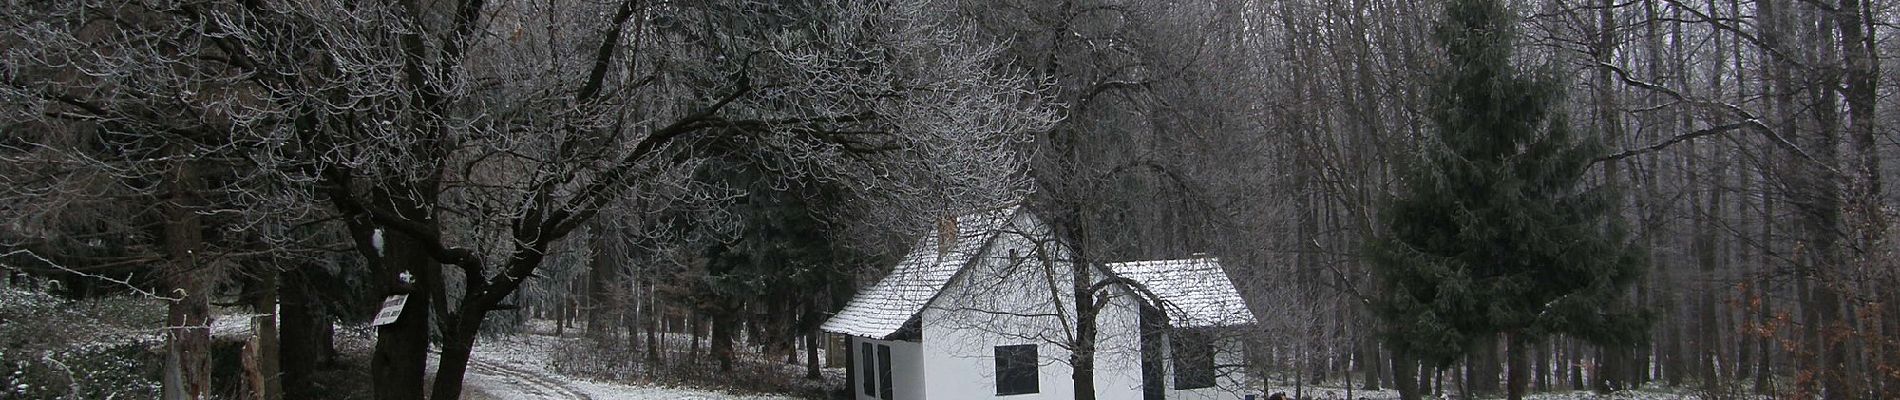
973,312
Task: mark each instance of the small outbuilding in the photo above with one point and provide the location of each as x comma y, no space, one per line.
981,308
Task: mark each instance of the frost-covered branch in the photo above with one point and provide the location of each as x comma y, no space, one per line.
122,282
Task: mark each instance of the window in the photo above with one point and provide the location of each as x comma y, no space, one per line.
1193,359
870,371
1016,370
884,370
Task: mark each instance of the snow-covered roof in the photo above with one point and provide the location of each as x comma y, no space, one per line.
882,309
1195,292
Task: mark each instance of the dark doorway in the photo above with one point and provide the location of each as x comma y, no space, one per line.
1153,372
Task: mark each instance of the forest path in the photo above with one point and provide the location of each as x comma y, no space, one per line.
496,379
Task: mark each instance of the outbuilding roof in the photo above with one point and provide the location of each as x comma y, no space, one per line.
1194,292
882,309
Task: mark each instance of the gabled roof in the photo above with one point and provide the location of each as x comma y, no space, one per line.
1194,292
882,309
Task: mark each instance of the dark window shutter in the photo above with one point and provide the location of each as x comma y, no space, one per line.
870,371
1016,370
1193,359
884,370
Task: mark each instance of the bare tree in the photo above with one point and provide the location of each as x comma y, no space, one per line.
479,134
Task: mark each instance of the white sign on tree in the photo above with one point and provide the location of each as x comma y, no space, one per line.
392,309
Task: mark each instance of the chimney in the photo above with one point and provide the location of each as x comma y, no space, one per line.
946,234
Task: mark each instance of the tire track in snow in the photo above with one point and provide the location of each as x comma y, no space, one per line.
542,386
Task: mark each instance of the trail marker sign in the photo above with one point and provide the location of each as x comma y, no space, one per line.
392,309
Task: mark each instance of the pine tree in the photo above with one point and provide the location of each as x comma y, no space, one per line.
1500,231
781,256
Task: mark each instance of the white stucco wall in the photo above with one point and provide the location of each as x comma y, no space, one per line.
996,302
1118,350
907,369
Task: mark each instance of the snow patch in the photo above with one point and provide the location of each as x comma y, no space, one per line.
376,241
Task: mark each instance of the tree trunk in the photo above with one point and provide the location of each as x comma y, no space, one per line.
1861,75
1351,361
812,339
1577,361
262,349
456,348
603,278
1742,313
1385,368
560,314
1762,290
187,368
301,342
188,339
852,377
1822,218
1625,366
1890,387
1082,355
462,325
1368,366
1518,375
1670,349
1299,380
723,324
1779,88
696,326
652,321
1764,344
1482,368
1542,369
1563,361
634,314
811,354
1405,376
402,347
1609,373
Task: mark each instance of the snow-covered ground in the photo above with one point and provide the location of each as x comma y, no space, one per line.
1336,393
516,368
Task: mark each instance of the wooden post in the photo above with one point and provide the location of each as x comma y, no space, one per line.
260,351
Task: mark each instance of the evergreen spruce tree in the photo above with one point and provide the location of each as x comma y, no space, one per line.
1500,232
